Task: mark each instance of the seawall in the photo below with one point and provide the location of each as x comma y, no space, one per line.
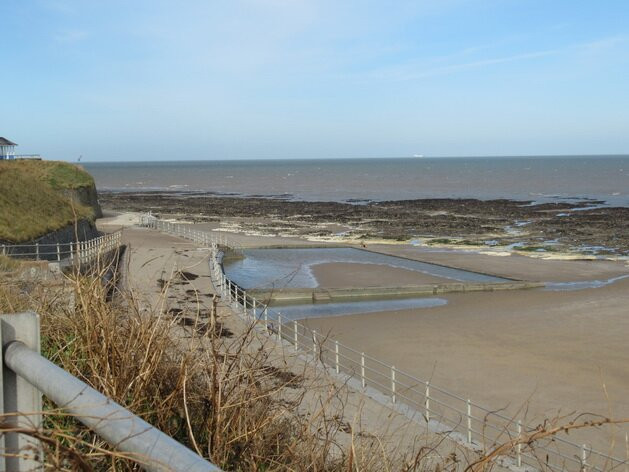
83,230
320,295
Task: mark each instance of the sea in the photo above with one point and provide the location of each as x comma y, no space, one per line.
532,179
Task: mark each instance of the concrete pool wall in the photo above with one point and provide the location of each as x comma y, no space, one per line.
320,295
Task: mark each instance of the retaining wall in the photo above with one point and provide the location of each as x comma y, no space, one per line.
84,230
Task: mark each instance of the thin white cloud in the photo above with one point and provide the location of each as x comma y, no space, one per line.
415,71
603,44
485,62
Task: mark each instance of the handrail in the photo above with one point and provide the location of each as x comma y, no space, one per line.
75,252
286,330
150,447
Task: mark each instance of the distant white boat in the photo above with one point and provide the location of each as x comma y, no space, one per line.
418,155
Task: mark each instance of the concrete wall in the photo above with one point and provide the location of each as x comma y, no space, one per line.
84,230
298,295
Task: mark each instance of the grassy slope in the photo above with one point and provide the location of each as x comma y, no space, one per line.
59,175
30,202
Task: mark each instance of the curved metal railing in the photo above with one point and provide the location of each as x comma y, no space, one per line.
80,252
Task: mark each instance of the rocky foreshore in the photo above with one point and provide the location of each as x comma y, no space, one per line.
584,228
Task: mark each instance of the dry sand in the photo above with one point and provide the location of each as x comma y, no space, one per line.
349,275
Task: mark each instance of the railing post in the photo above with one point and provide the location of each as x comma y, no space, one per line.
58,252
254,315
469,421
427,402
362,369
295,333
71,251
584,457
626,452
244,302
36,251
279,327
314,344
519,448
393,383
20,451
336,353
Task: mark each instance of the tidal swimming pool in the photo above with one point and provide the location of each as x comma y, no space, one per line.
292,268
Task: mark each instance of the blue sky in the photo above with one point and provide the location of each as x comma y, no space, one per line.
202,79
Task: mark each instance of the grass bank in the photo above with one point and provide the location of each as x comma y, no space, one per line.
32,202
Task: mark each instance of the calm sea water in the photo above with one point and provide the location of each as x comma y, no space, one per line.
540,179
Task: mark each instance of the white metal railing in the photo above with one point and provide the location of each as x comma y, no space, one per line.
441,410
80,252
26,375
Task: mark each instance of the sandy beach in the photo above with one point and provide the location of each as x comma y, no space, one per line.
546,352
530,353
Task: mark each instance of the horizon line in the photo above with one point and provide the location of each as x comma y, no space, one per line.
492,156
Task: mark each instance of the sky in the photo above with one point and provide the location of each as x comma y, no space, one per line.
114,80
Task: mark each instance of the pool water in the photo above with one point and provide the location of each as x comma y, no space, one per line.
292,268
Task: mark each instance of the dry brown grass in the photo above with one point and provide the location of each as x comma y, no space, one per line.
7,264
30,207
221,396
58,175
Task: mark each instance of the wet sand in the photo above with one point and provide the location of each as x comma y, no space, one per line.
551,351
350,275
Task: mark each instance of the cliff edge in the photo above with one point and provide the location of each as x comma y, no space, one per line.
41,197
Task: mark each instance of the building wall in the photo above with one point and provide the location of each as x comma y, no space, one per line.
7,152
